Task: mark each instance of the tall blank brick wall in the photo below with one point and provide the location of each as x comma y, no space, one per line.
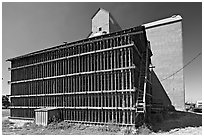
167,47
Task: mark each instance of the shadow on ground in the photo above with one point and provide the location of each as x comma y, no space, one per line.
175,119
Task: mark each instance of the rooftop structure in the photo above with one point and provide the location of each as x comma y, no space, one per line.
103,23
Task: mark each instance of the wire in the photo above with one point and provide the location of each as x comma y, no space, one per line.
182,67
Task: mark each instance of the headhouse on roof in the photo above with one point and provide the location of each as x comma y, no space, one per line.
103,23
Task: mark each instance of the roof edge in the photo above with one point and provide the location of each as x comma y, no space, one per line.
171,19
137,28
98,11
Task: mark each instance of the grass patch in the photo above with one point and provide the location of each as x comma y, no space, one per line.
61,125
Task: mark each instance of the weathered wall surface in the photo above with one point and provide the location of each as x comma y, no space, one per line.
167,47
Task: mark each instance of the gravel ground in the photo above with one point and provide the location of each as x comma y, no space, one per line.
182,131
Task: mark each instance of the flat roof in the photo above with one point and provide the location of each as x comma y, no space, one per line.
133,29
172,19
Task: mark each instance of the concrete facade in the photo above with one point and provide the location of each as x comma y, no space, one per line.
166,42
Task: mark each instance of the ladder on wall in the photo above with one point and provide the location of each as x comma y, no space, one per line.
143,81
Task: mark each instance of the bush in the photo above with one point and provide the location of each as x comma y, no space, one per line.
5,101
127,131
144,130
54,119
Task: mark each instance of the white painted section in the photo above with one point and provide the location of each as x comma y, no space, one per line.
163,21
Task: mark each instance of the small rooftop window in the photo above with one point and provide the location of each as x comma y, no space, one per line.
100,29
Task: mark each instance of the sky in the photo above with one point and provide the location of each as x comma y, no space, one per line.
27,27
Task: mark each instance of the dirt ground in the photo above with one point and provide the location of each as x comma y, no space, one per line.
169,123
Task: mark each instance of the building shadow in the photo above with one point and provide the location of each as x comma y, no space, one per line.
175,119
159,95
